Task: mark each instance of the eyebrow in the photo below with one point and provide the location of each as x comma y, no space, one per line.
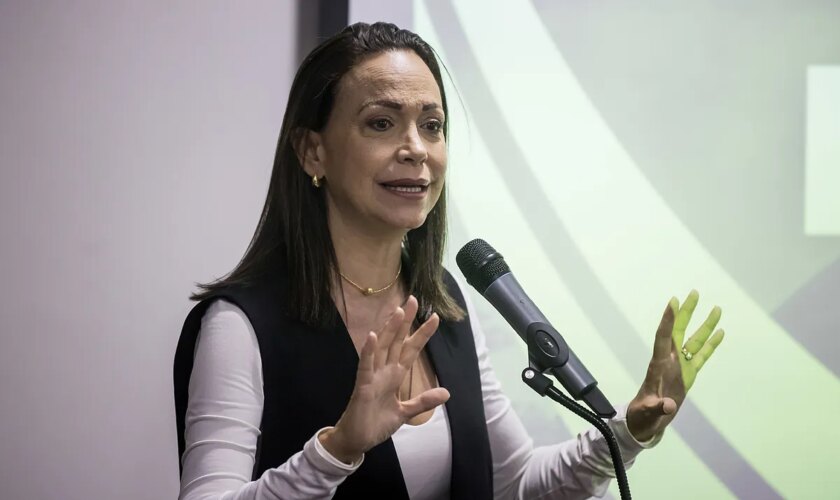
395,105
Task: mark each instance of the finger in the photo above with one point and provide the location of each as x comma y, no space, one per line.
416,342
663,343
684,316
424,402
654,407
707,350
410,309
386,336
702,334
668,406
364,374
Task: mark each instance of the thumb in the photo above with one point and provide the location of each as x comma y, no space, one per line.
667,406
425,402
655,407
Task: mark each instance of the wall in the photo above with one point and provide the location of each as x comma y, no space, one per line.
136,143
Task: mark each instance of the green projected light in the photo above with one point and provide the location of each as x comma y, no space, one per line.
538,172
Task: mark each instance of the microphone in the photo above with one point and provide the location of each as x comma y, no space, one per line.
485,269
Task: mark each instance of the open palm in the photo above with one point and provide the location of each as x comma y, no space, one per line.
673,368
375,410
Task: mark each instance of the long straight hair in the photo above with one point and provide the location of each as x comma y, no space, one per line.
292,233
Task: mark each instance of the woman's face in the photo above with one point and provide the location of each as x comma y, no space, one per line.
382,150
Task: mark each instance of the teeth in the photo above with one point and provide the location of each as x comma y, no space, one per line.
406,189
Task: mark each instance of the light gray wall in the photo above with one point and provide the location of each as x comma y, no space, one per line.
136,142
399,12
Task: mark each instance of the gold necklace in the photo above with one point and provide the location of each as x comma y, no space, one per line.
410,383
411,379
370,291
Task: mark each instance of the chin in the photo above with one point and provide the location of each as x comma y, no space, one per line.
407,222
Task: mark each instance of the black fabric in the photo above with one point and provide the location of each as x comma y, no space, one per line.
308,377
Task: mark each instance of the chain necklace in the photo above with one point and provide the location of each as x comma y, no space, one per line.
411,379
370,291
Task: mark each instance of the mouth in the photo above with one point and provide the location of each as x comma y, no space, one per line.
407,186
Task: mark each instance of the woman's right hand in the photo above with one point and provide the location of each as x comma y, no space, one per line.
375,411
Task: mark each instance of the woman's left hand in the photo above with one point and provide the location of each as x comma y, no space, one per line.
671,371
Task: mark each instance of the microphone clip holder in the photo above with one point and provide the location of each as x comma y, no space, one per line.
546,348
548,352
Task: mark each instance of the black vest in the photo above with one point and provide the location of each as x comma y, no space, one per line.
308,377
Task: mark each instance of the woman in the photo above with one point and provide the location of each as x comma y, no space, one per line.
272,399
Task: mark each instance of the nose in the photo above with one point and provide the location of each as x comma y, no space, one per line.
413,149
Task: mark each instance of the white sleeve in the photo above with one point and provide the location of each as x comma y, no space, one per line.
222,423
575,469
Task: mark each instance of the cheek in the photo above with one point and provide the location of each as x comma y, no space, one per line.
440,160
354,164
437,190
367,158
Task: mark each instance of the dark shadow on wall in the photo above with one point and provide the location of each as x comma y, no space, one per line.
811,317
318,20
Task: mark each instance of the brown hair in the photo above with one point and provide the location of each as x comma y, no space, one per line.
292,233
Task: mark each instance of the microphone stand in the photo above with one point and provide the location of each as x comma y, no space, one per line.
542,352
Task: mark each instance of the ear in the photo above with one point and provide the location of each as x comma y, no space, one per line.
310,152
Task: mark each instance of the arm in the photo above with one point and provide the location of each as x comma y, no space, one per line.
223,417
225,406
577,468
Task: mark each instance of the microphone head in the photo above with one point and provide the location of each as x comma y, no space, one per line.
481,264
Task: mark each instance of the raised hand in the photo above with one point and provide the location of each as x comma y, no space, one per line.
375,411
673,367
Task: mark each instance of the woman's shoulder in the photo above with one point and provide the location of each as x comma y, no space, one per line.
223,313
227,340
259,292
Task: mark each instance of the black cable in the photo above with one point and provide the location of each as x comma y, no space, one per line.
543,386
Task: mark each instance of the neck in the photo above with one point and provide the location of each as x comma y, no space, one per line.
369,259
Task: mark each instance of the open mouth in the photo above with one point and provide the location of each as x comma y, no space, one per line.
406,187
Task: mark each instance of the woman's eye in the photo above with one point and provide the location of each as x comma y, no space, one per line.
434,125
380,124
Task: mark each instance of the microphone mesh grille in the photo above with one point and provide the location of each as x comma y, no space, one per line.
481,264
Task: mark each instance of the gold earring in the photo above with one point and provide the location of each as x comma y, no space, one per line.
315,182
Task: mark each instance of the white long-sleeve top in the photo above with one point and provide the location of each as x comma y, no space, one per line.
225,405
